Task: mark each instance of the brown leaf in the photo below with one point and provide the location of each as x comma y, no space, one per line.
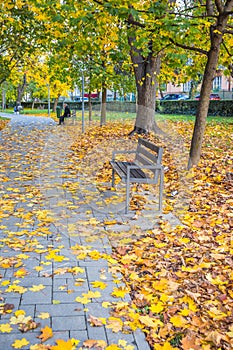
95,321
190,342
25,327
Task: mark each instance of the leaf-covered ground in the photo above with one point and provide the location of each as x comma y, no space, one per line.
179,277
3,123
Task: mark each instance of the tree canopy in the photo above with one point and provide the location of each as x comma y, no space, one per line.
121,42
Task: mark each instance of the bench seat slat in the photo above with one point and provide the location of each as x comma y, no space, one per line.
121,169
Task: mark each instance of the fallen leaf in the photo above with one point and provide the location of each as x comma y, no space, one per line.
44,315
5,328
63,345
46,333
95,321
18,344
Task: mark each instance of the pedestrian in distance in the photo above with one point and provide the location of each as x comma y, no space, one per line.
65,115
16,110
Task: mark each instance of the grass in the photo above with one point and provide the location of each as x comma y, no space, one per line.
118,116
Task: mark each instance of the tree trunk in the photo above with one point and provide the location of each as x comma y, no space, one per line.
89,107
55,103
20,90
3,96
145,70
209,75
103,106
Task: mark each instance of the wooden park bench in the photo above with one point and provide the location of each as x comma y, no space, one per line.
146,168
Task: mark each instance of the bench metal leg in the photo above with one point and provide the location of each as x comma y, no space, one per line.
127,198
113,177
127,191
161,190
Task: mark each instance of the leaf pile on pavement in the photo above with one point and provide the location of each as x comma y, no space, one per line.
3,123
179,277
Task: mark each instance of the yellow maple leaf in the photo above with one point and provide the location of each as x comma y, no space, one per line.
112,222
113,347
119,292
19,312
83,300
37,288
106,304
16,289
44,315
76,270
150,322
99,284
216,314
5,283
95,255
160,285
93,221
63,345
19,343
46,333
5,328
81,256
165,346
92,294
21,272
157,308
38,268
185,312
53,256
178,321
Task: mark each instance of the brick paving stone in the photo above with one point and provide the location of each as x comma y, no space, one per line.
71,323
97,333
42,297
62,309
65,297
79,335
70,227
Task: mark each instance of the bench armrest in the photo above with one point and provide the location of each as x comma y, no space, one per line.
114,153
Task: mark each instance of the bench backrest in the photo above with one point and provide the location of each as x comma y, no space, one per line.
147,153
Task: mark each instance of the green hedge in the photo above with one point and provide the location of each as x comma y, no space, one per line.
222,108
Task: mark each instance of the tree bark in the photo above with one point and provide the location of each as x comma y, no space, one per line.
20,90
216,35
55,103
103,106
145,71
89,107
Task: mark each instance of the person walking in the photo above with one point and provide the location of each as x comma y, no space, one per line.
65,115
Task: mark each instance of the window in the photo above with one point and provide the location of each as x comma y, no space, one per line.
217,83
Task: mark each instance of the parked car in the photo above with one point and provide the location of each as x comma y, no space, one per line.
79,99
174,97
212,97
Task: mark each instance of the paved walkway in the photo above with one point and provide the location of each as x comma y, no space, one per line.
53,239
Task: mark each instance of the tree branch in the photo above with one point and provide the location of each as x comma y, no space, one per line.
191,48
219,6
